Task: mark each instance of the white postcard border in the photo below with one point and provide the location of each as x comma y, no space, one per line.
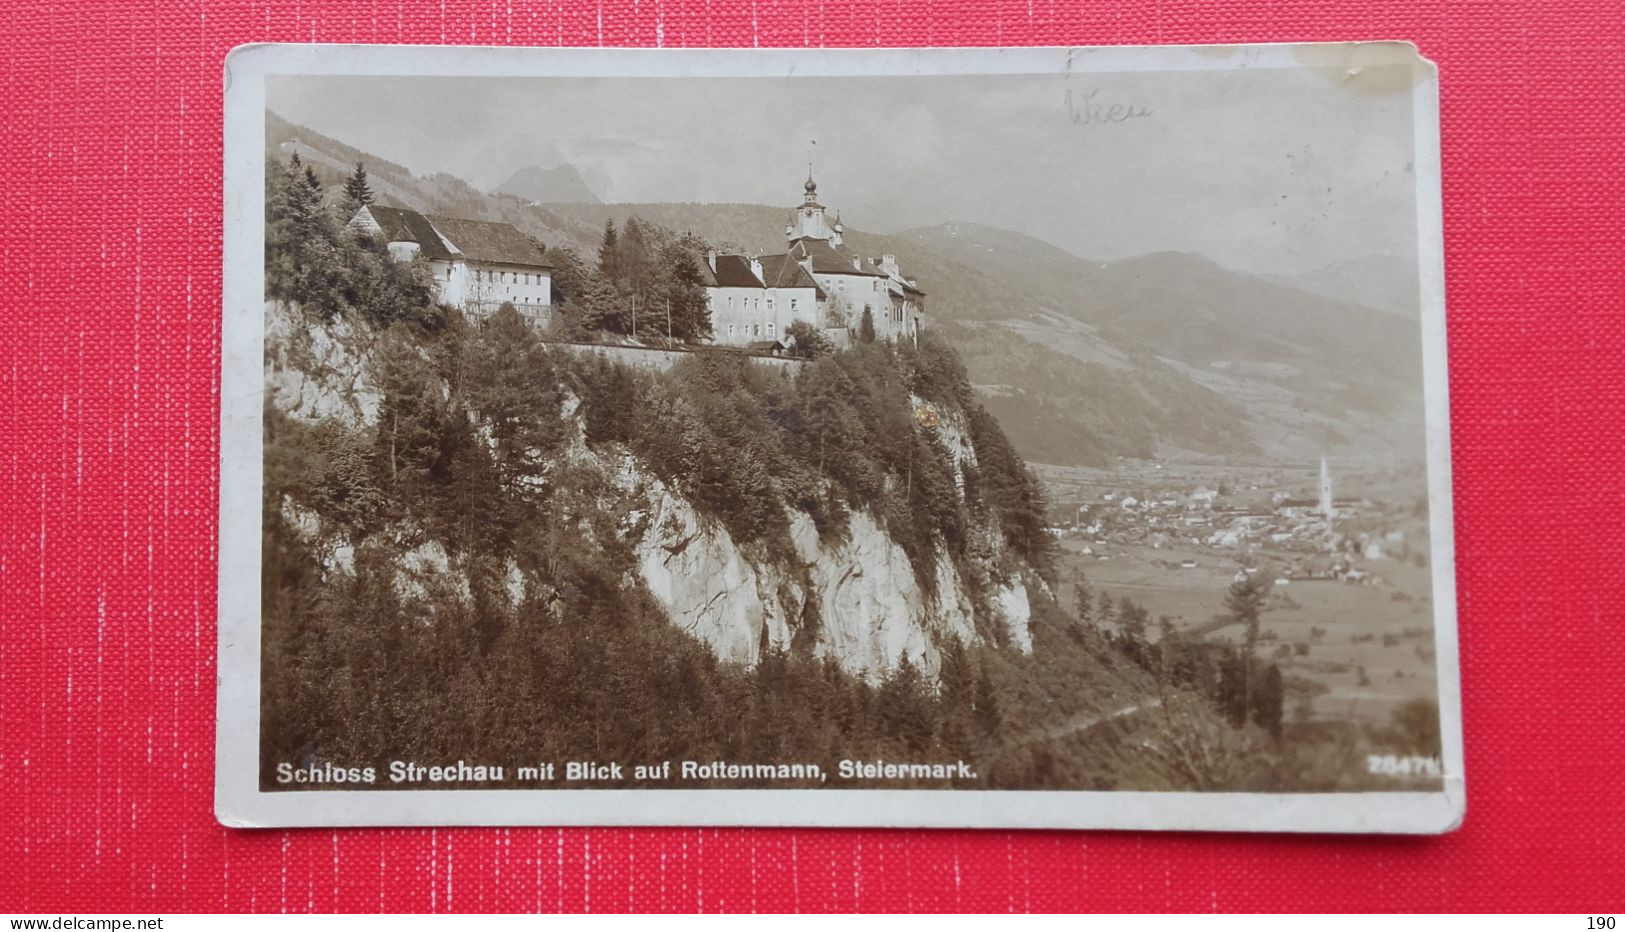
239,802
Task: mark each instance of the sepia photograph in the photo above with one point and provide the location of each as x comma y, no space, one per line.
1026,438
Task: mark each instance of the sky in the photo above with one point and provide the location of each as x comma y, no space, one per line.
1265,170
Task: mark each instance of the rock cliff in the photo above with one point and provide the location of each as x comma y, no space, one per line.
852,594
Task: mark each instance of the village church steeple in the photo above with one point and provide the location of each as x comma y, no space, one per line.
1328,506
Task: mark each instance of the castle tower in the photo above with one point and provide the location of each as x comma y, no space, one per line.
1326,506
809,221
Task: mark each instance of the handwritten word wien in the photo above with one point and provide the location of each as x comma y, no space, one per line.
1087,108
578,772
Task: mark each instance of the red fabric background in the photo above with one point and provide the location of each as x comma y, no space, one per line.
108,442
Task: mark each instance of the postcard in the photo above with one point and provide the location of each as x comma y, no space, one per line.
1023,438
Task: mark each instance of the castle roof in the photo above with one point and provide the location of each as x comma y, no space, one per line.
735,272
781,271
399,225
828,260
908,286
485,241
455,237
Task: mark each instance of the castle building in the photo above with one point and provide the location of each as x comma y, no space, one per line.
753,300
478,265
817,280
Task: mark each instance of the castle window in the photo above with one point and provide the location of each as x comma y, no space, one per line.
730,302
755,330
770,304
770,328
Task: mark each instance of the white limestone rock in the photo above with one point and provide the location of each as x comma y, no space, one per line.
316,370
705,583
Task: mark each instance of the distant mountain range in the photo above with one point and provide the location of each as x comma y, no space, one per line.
1382,281
559,185
1163,355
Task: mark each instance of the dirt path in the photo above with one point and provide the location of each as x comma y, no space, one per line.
1086,722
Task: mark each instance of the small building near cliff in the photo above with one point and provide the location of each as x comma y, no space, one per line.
478,265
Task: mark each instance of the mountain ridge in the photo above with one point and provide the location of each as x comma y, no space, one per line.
559,184
1082,359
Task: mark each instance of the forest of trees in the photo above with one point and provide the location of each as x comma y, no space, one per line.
586,662
645,282
313,260
1250,694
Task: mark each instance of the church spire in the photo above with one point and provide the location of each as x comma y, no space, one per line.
811,187
1327,505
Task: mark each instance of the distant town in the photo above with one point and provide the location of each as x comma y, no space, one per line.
1295,538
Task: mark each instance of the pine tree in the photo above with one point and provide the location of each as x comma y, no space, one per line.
1107,611
1134,619
608,252
1245,600
636,266
905,710
1168,650
302,202
357,194
1081,600
866,327
957,680
685,290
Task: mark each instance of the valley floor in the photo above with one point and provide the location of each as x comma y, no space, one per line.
1355,650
